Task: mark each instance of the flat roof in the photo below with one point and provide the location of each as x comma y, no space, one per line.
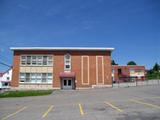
62,48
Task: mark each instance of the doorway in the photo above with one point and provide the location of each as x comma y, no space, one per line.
67,83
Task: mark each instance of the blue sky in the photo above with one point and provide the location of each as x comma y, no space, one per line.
132,27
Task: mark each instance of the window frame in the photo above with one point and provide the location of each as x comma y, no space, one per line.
48,78
49,62
67,62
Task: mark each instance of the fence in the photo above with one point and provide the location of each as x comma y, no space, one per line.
136,83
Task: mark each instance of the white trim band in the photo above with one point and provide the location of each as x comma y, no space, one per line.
64,48
82,57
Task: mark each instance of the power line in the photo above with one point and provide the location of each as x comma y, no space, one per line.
2,63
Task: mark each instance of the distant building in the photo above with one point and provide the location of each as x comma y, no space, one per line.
5,78
128,73
61,68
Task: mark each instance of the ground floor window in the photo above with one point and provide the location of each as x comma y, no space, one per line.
36,77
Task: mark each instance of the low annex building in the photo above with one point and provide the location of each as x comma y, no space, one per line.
128,72
61,68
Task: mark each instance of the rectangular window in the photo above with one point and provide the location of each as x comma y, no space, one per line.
67,62
39,78
23,60
27,77
33,77
50,60
28,60
22,77
49,78
34,60
40,60
36,77
44,77
44,60
67,66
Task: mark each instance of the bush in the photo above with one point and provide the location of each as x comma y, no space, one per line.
153,76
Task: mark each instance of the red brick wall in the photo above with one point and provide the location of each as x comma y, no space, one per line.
75,66
125,70
15,72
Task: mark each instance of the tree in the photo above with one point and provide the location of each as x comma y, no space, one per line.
154,73
131,63
156,67
113,63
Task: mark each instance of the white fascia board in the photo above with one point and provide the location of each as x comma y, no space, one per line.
63,48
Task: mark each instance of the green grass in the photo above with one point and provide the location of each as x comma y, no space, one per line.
25,93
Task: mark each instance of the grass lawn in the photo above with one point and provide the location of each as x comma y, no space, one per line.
25,93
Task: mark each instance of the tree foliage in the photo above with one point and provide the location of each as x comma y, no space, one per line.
156,67
113,62
131,63
154,73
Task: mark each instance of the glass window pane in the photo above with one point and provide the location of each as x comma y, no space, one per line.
50,63
33,78
50,58
49,78
64,82
67,62
22,77
67,56
39,61
28,60
69,82
23,60
39,77
44,60
67,66
44,77
33,60
27,77
49,74
23,57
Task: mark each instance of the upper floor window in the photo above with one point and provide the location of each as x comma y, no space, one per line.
67,62
37,60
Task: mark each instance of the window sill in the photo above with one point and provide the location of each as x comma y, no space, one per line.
36,65
22,83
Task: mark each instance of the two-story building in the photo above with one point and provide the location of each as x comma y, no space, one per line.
61,68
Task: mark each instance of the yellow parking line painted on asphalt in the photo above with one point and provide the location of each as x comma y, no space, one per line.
12,114
46,113
113,106
81,109
146,104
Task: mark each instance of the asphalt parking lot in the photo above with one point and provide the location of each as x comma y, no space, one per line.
133,103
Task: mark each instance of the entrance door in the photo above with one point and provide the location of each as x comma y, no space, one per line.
67,83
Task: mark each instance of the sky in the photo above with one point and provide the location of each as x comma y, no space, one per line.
132,27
